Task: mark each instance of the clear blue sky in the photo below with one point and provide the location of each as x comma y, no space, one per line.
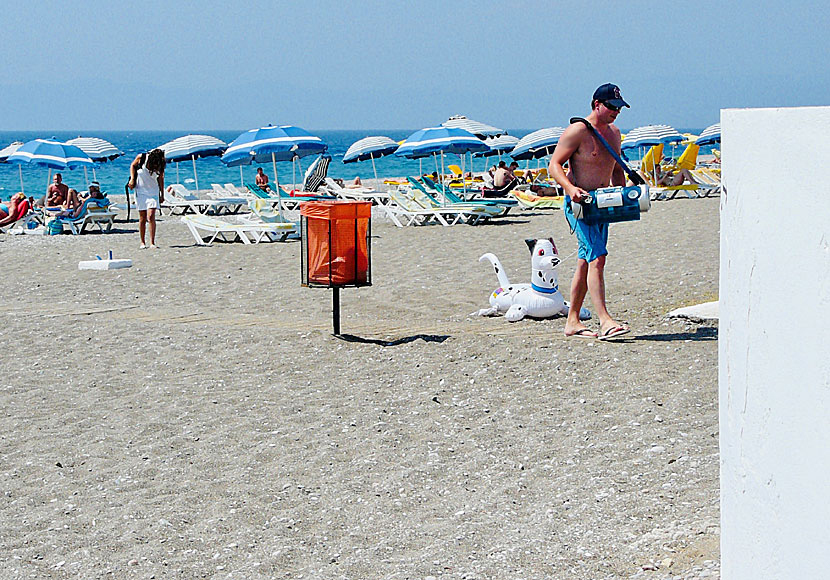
95,65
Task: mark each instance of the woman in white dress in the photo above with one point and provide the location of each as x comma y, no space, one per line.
147,179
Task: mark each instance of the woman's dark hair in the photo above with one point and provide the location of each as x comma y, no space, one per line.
155,162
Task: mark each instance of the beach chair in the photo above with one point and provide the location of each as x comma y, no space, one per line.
221,193
206,229
504,204
94,213
278,195
474,214
177,196
23,215
529,200
360,194
404,211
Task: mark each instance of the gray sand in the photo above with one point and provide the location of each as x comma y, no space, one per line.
193,417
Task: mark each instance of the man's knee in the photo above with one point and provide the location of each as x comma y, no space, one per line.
599,263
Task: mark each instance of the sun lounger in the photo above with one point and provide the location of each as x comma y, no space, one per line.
277,196
248,232
179,197
475,213
401,206
94,212
529,200
24,215
220,193
453,197
360,194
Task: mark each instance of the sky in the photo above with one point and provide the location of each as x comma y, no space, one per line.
169,65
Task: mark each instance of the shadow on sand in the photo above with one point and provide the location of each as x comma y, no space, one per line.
396,342
700,333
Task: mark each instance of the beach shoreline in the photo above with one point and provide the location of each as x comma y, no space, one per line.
192,416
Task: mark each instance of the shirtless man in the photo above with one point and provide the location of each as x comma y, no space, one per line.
591,166
262,180
57,193
503,176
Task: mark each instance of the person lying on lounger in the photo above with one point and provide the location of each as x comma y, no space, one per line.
668,178
10,210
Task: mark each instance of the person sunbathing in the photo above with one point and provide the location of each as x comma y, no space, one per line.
545,190
12,210
670,179
57,192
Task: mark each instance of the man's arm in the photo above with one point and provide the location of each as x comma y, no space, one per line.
567,146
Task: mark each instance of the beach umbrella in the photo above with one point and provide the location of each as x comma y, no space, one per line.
192,147
649,135
99,150
477,128
4,155
49,153
370,148
538,144
710,135
480,130
498,145
8,150
434,140
284,143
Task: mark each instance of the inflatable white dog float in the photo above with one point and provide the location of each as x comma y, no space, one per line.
539,299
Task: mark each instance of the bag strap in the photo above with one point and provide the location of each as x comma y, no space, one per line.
632,175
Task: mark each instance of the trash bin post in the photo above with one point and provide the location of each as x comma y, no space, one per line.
336,247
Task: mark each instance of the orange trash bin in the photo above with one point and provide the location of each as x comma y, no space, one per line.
335,249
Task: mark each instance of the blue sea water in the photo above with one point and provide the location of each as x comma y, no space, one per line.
114,174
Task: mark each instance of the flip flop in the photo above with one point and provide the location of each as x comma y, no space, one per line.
614,332
583,333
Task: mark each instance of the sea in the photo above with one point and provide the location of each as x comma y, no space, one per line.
113,175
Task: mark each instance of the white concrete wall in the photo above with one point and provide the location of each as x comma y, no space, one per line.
774,349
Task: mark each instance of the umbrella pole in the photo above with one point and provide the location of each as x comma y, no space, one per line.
241,177
441,181
294,173
277,183
374,169
177,172
20,171
94,177
86,178
464,181
195,176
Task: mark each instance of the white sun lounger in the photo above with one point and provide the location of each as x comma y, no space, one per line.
178,196
359,194
248,232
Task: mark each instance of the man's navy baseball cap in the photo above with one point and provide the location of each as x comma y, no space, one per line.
610,93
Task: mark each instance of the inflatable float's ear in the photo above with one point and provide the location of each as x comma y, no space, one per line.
530,244
552,243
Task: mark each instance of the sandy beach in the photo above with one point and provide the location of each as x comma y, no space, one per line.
193,416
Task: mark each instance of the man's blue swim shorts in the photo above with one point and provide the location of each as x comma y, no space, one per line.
593,240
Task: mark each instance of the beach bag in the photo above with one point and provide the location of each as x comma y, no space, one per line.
54,227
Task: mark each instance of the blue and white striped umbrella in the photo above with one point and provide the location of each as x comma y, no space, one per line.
192,147
480,130
649,135
710,135
369,148
99,150
6,151
498,145
538,144
50,153
433,140
272,144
